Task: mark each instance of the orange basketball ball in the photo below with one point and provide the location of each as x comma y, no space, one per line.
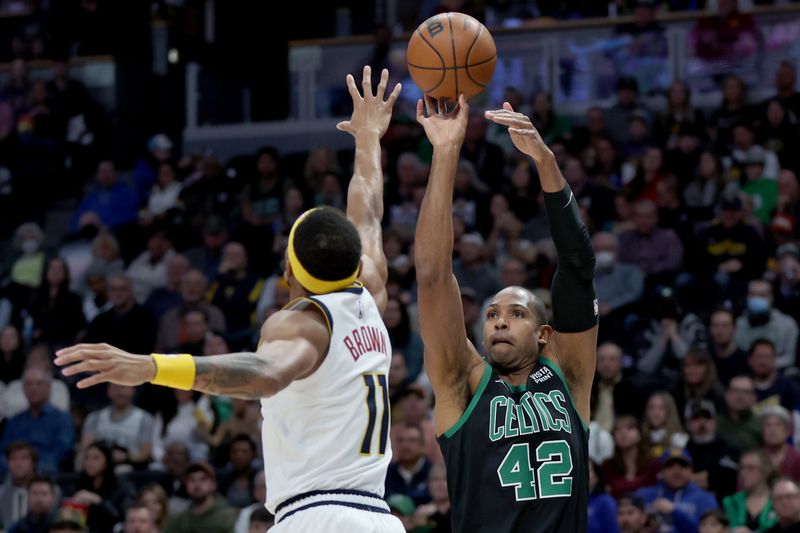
451,54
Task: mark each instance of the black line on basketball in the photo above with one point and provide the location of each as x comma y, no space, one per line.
469,51
453,43
479,63
441,60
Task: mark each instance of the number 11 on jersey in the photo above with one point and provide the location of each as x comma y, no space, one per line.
373,382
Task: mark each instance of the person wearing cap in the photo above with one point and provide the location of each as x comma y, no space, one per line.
714,461
207,511
145,172
746,152
776,428
675,497
631,515
786,287
786,501
762,321
729,252
751,507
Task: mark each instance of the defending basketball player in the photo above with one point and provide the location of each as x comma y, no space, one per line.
512,426
321,365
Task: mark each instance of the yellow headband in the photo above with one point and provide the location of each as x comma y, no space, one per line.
309,282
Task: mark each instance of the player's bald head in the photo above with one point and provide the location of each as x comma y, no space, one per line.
524,297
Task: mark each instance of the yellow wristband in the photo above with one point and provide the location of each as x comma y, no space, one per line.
174,370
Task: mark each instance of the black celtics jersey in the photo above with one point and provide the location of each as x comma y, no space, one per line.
517,459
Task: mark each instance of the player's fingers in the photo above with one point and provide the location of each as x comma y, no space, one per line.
521,131
395,94
507,106
96,379
366,81
382,85
463,105
430,105
351,87
343,126
441,107
508,121
86,366
420,112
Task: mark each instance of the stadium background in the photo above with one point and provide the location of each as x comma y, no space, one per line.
154,155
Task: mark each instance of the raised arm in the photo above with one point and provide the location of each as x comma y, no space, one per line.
450,358
371,116
575,312
293,345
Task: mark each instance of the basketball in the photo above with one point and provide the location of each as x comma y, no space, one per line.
450,54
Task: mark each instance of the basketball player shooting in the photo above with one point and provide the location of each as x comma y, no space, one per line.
321,365
512,427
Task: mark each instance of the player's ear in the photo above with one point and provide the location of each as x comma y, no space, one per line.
545,331
287,272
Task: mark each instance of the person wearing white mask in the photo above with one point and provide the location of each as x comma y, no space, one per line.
29,265
761,320
618,284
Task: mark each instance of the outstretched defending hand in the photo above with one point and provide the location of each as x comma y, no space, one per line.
107,364
444,128
370,112
524,136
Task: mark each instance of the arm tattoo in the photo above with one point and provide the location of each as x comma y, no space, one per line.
240,375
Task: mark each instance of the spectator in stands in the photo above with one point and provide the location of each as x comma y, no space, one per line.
28,263
206,257
471,268
154,499
771,387
714,461
619,285
761,320
549,124
785,87
260,496
176,464
207,512
235,481
113,201
138,519
14,490
187,419
598,200
713,521
618,116
701,193
738,424
656,251
786,287
146,172
41,507
409,475
96,300
11,355
165,298
612,391
730,253
595,128
149,270
163,196
127,427
631,515
676,498
194,323
679,114
127,325
14,400
105,257
602,506
403,338
235,292
486,156
56,311
746,152
733,110
698,380
778,133
193,293
751,507
434,516
729,359
47,429
412,407
106,494
776,427
786,501
632,466
661,427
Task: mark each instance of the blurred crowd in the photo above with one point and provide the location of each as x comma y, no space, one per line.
694,216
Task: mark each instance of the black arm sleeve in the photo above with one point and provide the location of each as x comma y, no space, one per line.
573,293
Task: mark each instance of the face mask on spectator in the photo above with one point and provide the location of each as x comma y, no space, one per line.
757,305
29,246
604,259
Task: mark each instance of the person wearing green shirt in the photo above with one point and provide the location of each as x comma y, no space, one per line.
752,506
208,512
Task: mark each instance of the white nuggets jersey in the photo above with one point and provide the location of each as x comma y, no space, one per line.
330,430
